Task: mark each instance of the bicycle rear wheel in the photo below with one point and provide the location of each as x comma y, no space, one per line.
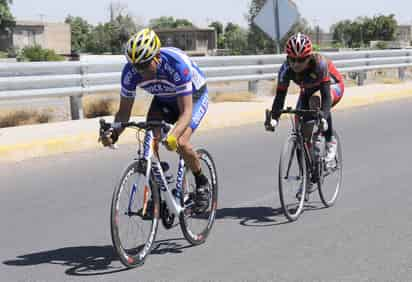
292,178
134,216
196,226
332,177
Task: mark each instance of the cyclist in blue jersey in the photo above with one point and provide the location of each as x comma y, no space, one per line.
180,97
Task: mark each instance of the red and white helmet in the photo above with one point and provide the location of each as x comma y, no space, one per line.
299,46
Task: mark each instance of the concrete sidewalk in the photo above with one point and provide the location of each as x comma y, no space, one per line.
24,142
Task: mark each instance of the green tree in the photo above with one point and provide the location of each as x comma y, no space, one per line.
169,22
6,18
236,39
183,23
99,39
385,27
363,30
120,29
80,32
342,32
218,26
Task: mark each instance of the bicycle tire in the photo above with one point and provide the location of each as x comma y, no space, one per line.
291,152
196,238
330,201
136,255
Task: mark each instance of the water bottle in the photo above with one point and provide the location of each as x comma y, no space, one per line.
317,146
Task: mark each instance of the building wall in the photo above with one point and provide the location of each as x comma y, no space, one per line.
58,38
404,33
54,36
28,36
197,40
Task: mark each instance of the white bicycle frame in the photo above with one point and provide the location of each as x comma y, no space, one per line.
154,168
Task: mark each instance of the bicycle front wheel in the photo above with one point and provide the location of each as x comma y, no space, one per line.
134,216
196,226
332,177
292,178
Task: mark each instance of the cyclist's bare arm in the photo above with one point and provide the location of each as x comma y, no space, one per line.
124,112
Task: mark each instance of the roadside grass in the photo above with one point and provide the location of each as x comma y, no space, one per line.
232,97
24,117
97,106
390,80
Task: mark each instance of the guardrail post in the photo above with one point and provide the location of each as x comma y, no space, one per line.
253,86
402,73
361,78
76,107
76,103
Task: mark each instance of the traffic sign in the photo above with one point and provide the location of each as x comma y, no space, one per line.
277,17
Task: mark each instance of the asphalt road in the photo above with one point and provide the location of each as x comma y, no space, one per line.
54,212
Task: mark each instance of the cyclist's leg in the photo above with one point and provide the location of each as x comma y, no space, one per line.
185,147
190,156
336,92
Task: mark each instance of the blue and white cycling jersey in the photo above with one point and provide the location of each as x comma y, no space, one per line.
177,75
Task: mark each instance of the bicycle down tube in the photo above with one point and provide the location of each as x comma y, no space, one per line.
154,168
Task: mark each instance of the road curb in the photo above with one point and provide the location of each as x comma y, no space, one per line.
242,113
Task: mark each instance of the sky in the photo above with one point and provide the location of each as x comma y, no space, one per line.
202,12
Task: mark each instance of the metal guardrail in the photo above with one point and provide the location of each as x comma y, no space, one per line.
101,74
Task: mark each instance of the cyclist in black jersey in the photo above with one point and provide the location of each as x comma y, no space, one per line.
315,75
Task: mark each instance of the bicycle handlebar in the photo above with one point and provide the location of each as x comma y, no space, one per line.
313,113
141,125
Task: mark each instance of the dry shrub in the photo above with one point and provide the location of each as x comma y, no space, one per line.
107,106
232,97
390,80
24,117
99,107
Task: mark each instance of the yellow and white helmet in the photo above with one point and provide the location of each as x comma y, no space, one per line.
142,47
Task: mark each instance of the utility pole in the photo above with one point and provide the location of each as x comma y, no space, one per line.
42,16
361,36
111,12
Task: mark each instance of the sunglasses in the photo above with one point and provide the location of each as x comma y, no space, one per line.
142,67
297,60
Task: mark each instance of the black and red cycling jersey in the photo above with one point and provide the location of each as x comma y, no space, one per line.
320,74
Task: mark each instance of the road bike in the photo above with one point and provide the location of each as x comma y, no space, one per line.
144,196
302,165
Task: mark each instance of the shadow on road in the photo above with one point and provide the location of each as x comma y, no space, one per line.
173,246
254,216
262,216
82,261
92,260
